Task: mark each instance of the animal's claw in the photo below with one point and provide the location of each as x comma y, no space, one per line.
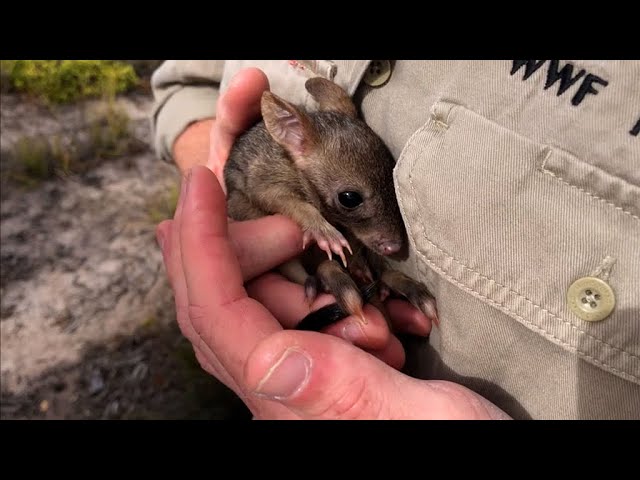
328,240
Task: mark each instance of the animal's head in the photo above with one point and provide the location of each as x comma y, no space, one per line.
349,166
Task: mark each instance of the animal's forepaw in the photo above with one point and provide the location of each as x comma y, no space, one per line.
333,279
329,240
415,292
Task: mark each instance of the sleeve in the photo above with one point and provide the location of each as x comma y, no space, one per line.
184,92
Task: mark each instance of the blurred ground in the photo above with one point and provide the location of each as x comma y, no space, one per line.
87,318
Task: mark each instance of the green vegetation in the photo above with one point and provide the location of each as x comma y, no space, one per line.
106,131
110,132
37,158
163,207
64,81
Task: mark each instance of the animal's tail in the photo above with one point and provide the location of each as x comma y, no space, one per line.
330,314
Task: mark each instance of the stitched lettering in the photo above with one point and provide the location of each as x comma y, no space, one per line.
531,67
636,129
566,78
587,87
564,75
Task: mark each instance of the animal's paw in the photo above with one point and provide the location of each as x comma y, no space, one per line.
359,269
333,279
328,239
415,292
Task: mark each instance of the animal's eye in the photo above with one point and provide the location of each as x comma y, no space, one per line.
350,199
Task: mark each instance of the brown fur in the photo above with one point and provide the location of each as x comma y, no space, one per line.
296,162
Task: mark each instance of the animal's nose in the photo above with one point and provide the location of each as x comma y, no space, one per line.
389,248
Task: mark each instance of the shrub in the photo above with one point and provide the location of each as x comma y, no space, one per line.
35,159
64,81
110,132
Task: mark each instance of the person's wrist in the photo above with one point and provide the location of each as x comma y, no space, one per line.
192,145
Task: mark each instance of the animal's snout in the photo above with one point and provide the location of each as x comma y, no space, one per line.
389,247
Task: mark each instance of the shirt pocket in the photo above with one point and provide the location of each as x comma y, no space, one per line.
488,210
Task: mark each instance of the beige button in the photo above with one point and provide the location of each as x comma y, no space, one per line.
591,299
378,73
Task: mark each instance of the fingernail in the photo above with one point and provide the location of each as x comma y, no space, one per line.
286,376
353,332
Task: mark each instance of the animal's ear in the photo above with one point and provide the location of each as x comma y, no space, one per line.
288,125
330,96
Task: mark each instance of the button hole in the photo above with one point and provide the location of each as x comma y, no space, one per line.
588,292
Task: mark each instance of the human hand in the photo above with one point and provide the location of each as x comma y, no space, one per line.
208,143
278,373
238,109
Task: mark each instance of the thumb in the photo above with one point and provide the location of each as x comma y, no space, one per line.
323,377
237,109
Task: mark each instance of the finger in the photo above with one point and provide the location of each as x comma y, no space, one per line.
237,109
208,366
322,377
375,334
408,319
263,244
169,239
173,262
228,321
284,299
286,302
392,353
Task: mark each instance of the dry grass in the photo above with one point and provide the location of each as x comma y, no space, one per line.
163,207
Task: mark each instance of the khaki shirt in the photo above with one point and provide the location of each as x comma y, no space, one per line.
519,182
